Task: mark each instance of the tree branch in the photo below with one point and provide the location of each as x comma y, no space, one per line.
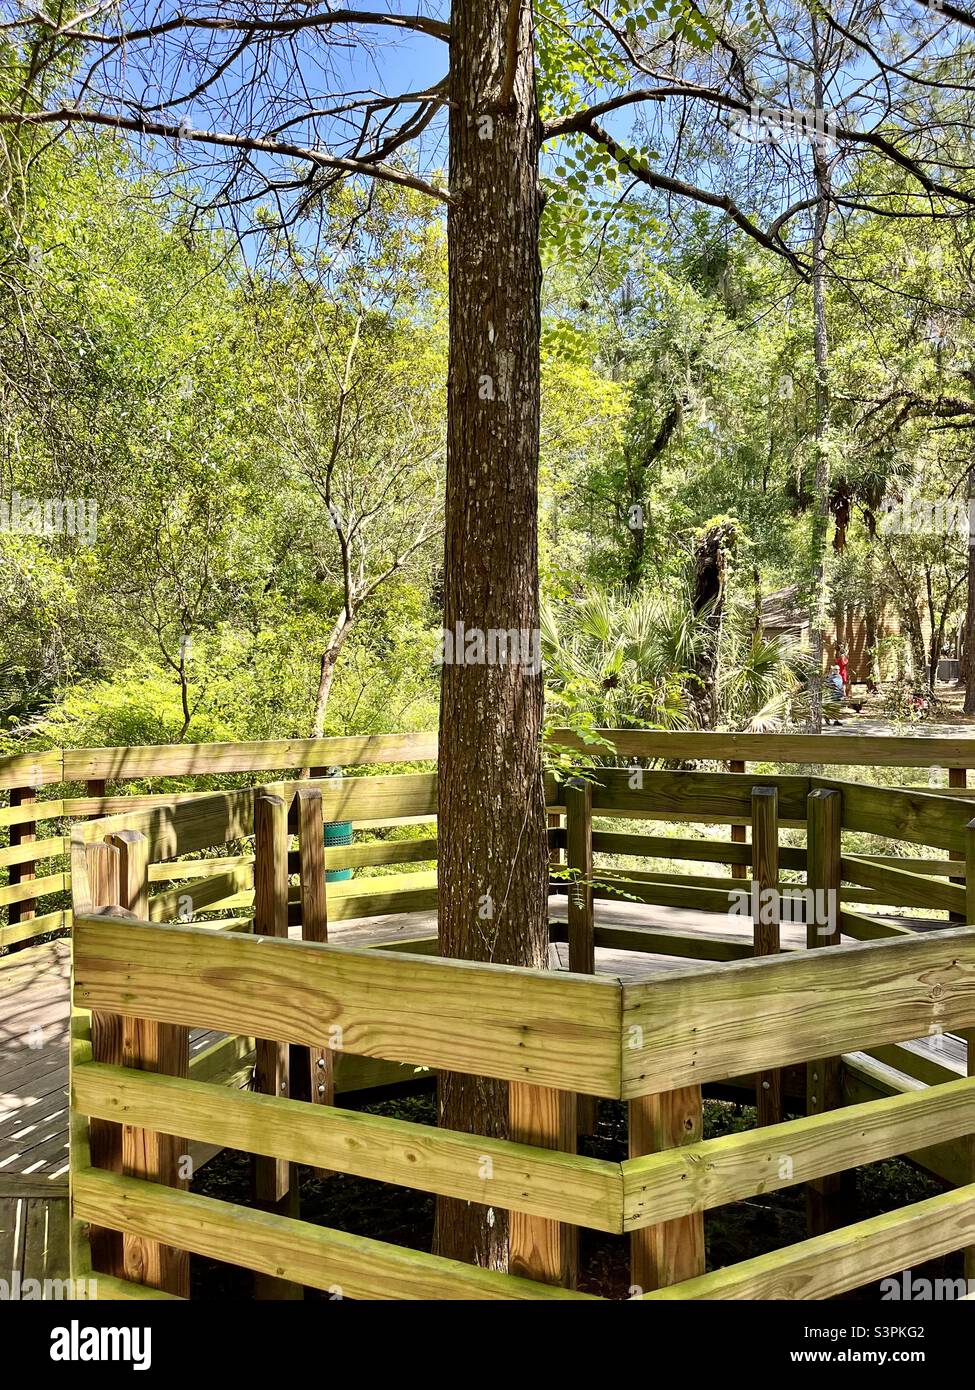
72,115
319,19
665,184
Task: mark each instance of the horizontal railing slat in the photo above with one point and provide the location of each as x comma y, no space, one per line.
904,887
549,1028
705,793
883,750
699,1177
18,932
899,813
185,759
688,1028
315,1256
845,1258
494,1172
34,888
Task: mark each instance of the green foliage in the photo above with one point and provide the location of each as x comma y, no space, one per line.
617,660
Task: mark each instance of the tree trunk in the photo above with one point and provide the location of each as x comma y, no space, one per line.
708,599
871,622
326,672
968,652
821,356
492,825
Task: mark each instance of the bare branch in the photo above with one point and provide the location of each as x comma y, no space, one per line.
72,115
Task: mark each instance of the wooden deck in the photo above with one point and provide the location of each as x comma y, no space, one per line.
34,1023
34,1118
34,1018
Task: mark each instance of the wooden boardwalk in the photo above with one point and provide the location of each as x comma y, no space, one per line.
34,1118
34,1020
33,1234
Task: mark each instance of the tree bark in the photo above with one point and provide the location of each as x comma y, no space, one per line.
708,600
326,671
821,356
968,641
492,825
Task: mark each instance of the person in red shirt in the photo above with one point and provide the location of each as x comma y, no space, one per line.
844,665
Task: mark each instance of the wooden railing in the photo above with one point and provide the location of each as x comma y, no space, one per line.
38,824
652,1043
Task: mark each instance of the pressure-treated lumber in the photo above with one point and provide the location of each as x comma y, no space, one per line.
31,851
381,852
665,1251
581,924
153,1047
170,760
865,928
548,1028
738,832
765,923
700,1026
181,825
221,1060
320,1258
19,770
827,1197
622,886
922,818
100,863
21,892
681,847
275,1180
840,1260
907,889
539,1247
806,749
957,784
697,945
181,870
705,1175
34,927
709,794
865,1079
312,1068
272,1179
180,759
184,902
27,889
494,1172
942,868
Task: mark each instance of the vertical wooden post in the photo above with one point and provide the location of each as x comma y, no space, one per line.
539,1248
738,836
95,787
312,1070
957,777
156,1047
827,1198
969,1033
554,823
582,940
105,1136
22,873
274,1185
765,923
672,1250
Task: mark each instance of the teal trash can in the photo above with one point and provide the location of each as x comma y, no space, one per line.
338,833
